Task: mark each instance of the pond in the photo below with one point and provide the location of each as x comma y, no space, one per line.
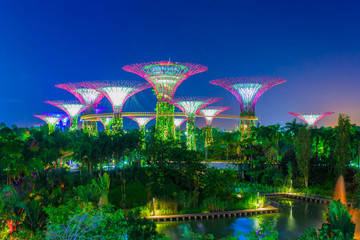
295,217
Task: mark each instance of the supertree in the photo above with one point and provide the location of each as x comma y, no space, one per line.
247,90
165,77
51,120
142,121
88,96
118,92
191,106
177,124
72,109
311,118
106,122
209,114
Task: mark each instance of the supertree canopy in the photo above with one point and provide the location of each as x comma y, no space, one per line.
191,106
311,118
179,121
83,91
165,77
209,113
117,92
141,121
50,119
72,109
247,90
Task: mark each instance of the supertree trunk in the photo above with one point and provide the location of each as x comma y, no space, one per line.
117,123
209,140
164,126
245,127
51,128
90,127
73,124
190,130
143,135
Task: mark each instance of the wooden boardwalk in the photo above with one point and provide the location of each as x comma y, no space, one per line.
214,215
303,197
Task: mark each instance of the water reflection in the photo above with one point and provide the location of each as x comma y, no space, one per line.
294,218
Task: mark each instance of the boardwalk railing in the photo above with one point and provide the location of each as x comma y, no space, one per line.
213,215
303,196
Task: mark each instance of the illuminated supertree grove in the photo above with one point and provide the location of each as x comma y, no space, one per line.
118,92
51,120
311,118
165,77
247,90
72,109
88,96
191,106
209,113
106,122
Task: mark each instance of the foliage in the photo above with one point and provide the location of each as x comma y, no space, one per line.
339,226
342,150
96,224
303,153
140,228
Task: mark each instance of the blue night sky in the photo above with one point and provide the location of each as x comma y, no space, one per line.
314,45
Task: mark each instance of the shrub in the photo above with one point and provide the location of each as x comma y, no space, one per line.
213,204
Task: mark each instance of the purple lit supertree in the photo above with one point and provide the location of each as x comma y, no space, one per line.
209,114
165,77
51,120
191,106
118,92
72,109
311,118
247,90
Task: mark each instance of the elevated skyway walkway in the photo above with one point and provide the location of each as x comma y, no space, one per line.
95,117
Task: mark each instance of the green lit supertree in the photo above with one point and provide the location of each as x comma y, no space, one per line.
72,109
191,106
51,119
165,77
209,114
118,92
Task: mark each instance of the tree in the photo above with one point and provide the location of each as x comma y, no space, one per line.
303,153
343,147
